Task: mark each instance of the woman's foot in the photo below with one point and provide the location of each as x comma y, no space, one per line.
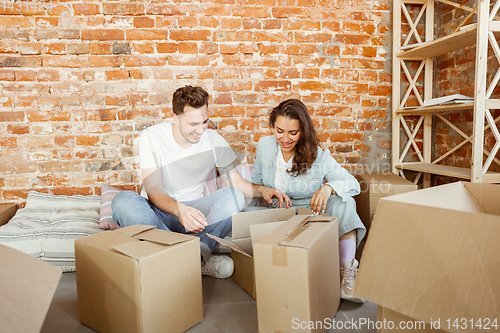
348,271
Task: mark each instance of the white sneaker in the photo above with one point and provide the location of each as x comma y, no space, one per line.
220,267
347,276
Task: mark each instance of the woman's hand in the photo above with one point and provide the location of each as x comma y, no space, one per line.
320,198
269,193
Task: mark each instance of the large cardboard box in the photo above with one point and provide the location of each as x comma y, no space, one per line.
139,279
241,244
7,211
297,274
433,256
26,291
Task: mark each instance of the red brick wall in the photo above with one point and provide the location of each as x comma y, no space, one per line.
81,79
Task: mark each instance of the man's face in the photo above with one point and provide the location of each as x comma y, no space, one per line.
192,123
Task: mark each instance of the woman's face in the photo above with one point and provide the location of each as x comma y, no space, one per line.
287,133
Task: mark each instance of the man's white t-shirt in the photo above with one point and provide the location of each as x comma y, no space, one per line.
182,172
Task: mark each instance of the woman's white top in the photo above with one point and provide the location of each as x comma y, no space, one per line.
281,177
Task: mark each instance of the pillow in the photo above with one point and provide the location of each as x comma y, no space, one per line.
108,193
46,200
48,226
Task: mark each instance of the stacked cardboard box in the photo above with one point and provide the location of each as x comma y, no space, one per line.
381,185
139,279
431,259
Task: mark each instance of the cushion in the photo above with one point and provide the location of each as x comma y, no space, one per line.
45,200
108,193
49,224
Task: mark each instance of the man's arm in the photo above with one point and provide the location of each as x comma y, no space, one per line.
191,218
231,175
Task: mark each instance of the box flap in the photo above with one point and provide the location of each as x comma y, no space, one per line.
486,196
297,221
163,237
230,245
140,250
305,235
134,230
450,196
258,230
242,221
27,288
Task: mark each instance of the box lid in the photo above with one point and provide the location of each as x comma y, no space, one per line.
27,288
433,253
299,231
149,237
242,221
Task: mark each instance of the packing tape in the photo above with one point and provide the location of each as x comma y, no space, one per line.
280,256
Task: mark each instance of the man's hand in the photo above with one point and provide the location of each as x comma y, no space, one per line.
191,218
320,198
269,193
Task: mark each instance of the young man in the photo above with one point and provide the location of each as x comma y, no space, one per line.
176,159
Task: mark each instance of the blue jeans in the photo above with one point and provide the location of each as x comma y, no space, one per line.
130,208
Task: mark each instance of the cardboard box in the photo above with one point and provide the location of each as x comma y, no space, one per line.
382,185
27,288
241,244
7,211
432,255
139,279
297,274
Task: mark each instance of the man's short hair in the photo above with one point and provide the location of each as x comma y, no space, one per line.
195,97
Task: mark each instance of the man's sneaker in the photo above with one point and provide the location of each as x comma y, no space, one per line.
220,267
347,276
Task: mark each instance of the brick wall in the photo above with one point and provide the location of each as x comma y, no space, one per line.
81,79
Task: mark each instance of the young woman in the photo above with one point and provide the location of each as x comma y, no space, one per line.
293,162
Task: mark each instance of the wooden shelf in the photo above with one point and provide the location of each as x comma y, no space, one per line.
437,108
452,42
437,169
445,170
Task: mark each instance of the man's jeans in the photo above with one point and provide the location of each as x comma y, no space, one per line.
130,208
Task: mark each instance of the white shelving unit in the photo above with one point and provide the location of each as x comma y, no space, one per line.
484,34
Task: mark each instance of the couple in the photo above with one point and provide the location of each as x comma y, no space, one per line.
290,169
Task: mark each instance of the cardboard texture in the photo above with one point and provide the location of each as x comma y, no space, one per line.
139,279
27,288
7,211
297,275
432,255
382,185
241,245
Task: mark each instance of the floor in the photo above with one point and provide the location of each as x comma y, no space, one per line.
227,308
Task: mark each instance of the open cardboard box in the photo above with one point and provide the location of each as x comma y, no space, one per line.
241,244
139,279
296,272
27,288
433,256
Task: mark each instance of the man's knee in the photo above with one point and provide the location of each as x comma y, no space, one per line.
124,204
233,197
